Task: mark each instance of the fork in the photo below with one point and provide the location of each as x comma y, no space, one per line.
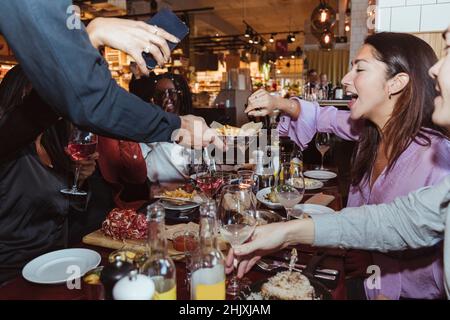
270,267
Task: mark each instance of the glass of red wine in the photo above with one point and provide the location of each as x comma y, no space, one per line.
209,183
82,144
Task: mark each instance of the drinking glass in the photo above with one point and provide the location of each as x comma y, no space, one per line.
237,222
247,178
323,144
288,197
82,144
209,183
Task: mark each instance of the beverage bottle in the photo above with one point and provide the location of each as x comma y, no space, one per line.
208,270
159,266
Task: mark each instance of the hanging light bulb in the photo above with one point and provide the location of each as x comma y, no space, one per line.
323,17
327,40
271,40
256,40
250,41
347,27
248,32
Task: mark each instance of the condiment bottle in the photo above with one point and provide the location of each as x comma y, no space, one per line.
134,287
208,271
159,266
113,273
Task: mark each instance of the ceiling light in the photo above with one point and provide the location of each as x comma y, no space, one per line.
271,40
248,32
292,57
347,27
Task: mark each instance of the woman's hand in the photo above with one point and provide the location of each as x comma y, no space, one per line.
265,239
87,167
261,103
133,38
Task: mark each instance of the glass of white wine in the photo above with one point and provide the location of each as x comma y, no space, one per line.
289,197
237,210
323,144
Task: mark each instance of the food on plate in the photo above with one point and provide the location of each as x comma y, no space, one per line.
179,193
272,196
93,276
248,129
228,130
288,285
122,224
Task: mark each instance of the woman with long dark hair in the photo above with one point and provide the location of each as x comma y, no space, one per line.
399,148
34,215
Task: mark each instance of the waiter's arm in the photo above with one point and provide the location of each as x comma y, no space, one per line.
71,75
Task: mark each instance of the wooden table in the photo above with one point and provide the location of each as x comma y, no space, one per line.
20,289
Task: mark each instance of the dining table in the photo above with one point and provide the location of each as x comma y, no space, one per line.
333,258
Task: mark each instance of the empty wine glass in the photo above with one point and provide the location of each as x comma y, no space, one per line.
82,144
237,222
323,144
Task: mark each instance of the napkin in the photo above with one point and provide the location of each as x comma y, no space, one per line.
321,199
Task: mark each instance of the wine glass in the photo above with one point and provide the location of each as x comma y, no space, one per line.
82,144
288,197
237,222
209,183
323,144
247,178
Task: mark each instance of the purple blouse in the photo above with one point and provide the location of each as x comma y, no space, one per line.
418,166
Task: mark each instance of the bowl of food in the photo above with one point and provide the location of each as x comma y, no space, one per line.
237,141
286,285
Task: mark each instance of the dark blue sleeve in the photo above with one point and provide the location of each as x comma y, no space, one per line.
73,77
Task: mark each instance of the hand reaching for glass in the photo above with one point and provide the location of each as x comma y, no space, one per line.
132,37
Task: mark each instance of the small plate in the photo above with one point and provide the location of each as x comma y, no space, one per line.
60,266
261,196
169,205
313,184
320,174
313,209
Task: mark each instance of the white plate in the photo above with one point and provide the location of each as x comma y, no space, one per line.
320,174
261,198
312,184
313,209
60,266
170,206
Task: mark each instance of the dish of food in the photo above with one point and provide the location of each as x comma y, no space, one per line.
248,129
268,197
228,130
122,224
179,194
286,285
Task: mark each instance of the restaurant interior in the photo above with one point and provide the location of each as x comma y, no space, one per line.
150,220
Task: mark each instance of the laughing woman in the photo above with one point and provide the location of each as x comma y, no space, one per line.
399,148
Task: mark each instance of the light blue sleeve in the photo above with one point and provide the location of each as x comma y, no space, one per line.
414,221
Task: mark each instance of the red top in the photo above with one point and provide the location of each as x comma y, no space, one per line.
123,167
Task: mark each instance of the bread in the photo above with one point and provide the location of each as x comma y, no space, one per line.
288,286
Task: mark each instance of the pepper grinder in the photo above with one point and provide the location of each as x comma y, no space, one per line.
113,273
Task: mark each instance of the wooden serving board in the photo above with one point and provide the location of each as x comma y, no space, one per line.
97,238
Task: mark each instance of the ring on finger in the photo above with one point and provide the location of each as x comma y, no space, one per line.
147,49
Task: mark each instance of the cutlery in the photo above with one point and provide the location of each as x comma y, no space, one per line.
280,264
267,267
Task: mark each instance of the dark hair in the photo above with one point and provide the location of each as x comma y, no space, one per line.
145,88
411,117
14,87
311,71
